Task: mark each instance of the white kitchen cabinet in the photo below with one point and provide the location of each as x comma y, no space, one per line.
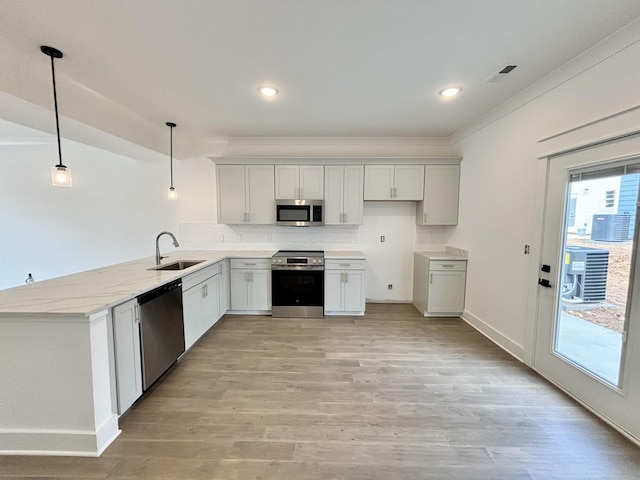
128,360
441,192
439,286
250,285
299,182
344,287
394,182
200,303
343,194
246,194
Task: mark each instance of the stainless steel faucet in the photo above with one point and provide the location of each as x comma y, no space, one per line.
175,244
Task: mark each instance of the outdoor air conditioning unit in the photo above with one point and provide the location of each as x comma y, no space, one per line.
585,274
610,228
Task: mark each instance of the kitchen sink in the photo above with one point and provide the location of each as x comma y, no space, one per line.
178,265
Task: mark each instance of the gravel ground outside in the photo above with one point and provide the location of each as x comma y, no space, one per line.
617,284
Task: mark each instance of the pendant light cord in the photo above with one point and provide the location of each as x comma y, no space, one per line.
55,105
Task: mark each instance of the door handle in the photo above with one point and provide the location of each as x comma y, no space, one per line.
544,282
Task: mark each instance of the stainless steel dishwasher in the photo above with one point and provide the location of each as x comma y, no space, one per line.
161,330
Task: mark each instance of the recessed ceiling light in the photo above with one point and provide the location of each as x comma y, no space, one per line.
450,91
268,91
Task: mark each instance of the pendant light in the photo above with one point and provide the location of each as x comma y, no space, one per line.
173,195
60,174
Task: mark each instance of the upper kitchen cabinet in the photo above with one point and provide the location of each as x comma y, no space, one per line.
393,182
441,192
299,182
343,193
246,194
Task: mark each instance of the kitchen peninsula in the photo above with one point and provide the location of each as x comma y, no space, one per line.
58,393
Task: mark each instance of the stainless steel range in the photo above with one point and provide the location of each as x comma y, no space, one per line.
297,283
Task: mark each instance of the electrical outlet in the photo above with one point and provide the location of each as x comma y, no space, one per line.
390,287
381,238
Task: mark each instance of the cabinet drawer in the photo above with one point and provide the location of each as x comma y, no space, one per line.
346,264
451,265
200,276
251,263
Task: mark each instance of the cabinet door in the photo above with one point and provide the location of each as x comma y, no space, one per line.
192,315
378,182
354,291
127,354
231,194
210,303
260,288
446,292
311,182
261,204
353,194
333,280
409,182
287,182
441,192
240,299
333,194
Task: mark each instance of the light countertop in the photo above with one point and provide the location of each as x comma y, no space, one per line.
82,294
343,254
445,254
85,293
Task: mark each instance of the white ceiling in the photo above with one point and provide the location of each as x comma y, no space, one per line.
345,68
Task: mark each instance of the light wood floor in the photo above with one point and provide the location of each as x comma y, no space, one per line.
389,396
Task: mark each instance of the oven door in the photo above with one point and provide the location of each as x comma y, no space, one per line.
297,292
293,215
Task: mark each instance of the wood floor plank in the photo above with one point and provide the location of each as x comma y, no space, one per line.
388,395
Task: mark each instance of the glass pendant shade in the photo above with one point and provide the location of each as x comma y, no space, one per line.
172,195
61,176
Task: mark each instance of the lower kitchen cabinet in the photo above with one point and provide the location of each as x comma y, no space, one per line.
200,303
250,285
439,286
128,361
344,287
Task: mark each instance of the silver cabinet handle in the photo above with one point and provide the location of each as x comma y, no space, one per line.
431,278
424,218
447,265
345,264
391,193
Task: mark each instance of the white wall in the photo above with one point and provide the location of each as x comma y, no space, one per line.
112,213
499,190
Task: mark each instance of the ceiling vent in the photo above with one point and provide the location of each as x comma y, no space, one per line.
502,74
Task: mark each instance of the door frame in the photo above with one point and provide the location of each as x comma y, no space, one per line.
602,153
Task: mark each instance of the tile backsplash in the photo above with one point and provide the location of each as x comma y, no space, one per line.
239,237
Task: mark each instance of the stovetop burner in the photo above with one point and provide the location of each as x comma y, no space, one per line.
300,253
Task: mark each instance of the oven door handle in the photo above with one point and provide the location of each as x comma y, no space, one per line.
317,268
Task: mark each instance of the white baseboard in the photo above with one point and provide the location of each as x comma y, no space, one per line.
66,443
512,348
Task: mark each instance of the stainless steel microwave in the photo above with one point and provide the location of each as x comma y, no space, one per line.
299,213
